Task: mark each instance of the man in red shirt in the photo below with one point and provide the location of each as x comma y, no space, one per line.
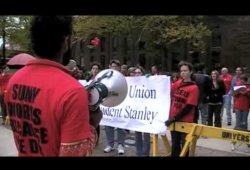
48,108
184,101
227,79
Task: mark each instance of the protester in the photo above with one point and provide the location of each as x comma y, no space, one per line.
48,108
185,95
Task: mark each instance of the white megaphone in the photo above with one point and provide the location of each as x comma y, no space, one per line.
109,88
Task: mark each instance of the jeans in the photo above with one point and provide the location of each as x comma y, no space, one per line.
227,100
216,111
142,144
241,119
203,112
110,134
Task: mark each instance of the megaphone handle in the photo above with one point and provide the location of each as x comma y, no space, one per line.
91,85
106,75
94,107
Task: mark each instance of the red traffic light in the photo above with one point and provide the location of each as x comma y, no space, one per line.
95,42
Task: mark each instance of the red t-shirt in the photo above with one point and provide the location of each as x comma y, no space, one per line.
47,107
242,101
227,81
183,94
175,85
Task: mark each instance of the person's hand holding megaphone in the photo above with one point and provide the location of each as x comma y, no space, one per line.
95,117
95,114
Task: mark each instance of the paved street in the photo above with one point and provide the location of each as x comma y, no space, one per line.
205,147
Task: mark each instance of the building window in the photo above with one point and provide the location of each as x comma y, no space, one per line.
114,44
157,62
125,43
141,45
178,43
102,60
91,50
82,61
175,61
114,56
103,44
92,58
124,59
82,46
195,57
215,57
216,40
142,60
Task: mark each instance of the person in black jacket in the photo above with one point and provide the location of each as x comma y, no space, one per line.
216,91
202,80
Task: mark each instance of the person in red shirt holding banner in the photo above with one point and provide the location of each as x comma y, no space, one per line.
185,95
242,103
48,107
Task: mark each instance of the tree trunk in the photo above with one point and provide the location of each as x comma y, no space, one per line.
165,60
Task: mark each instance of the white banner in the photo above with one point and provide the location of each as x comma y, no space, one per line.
146,107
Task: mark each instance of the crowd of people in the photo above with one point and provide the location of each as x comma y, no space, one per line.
209,96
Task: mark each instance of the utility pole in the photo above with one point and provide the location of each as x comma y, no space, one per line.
4,39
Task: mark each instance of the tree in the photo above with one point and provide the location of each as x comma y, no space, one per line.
170,29
15,31
157,32
19,35
3,33
237,48
165,30
117,25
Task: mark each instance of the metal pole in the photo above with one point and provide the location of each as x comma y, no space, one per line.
4,40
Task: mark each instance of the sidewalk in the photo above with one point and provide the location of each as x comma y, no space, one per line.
7,143
223,145
205,147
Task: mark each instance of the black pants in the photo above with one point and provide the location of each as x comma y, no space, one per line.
98,133
178,141
216,111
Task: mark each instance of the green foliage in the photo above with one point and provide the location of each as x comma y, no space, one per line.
158,30
170,29
87,25
17,30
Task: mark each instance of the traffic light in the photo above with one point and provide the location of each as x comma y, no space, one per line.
95,42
